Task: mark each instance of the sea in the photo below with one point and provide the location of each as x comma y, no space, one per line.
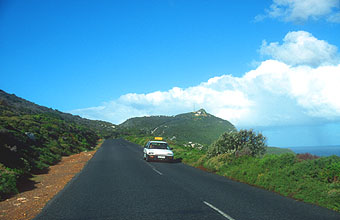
318,150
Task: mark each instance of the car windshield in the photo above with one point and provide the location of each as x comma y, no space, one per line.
158,146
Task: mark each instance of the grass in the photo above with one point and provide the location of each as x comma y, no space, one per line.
99,144
187,155
313,181
278,150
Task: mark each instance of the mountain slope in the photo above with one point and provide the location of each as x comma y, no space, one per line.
11,105
197,127
146,123
32,137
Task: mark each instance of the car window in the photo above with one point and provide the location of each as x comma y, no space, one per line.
158,146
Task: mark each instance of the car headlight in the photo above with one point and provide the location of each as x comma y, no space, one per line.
170,154
151,153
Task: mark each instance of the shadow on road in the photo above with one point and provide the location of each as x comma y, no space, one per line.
177,160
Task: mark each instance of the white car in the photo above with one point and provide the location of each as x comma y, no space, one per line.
157,150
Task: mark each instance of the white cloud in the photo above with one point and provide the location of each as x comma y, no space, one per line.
279,91
301,48
302,10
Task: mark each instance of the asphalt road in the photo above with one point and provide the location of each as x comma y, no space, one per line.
118,184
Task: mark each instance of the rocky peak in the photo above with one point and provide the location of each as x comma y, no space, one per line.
201,112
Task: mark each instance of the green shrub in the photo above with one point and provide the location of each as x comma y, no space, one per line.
8,179
239,143
329,168
215,163
277,161
31,143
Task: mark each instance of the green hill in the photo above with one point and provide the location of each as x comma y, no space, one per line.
11,105
32,137
278,150
146,123
196,127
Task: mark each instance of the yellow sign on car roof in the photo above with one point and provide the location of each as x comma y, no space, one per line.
158,138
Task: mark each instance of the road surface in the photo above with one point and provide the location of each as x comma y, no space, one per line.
118,184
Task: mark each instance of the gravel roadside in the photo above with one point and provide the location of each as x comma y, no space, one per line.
29,203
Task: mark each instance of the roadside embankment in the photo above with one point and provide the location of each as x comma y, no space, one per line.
41,188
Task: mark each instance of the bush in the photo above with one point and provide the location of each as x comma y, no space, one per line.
278,161
306,156
239,143
31,143
8,179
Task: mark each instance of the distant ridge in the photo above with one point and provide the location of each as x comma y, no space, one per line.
11,105
197,127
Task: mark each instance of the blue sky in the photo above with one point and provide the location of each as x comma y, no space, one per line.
272,65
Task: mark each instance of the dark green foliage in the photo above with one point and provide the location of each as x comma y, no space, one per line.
279,161
243,142
8,179
33,137
30,143
11,105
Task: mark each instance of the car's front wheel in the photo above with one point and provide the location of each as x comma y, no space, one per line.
147,158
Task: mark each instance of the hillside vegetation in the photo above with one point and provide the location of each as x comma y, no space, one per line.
196,127
32,137
11,105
